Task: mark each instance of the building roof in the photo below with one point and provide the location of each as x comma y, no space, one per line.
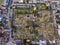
18,1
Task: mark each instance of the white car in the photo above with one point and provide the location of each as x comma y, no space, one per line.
0,18
58,29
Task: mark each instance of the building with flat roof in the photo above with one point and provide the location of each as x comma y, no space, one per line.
19,1
23,5
32,1
37,1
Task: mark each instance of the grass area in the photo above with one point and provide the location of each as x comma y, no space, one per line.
48,29
43,7
49,44
24,8
1,1
22,11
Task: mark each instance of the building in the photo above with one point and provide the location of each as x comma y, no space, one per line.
38,1
19,1
32,1
23,5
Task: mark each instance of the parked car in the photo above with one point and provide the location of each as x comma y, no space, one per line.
58,16
6,26
5,20
18,41
39,41
42,42
1,22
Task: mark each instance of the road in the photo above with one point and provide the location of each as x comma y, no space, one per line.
8,25
7,12
55,24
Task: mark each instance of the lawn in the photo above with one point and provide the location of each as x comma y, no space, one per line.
1,1
22,11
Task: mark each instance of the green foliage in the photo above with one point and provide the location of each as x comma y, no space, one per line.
35,11
22,12
1,1
48,43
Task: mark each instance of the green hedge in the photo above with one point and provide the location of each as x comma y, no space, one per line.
22,12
